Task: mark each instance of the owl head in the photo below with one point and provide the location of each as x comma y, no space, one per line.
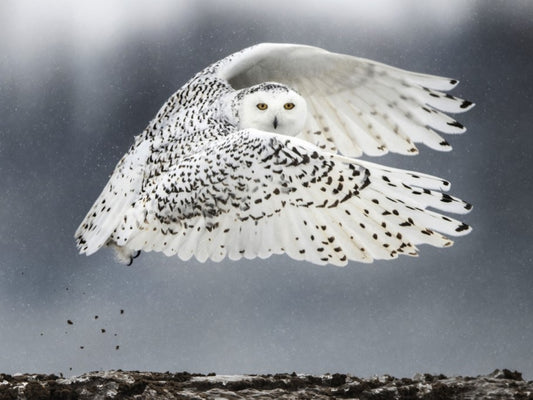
272,107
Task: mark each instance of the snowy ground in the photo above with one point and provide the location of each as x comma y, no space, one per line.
155,385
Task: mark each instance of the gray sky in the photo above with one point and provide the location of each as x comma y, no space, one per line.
79,81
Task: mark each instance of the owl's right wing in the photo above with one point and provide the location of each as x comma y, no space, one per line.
355,105
253,194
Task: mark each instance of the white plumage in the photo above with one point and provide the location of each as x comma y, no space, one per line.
253,157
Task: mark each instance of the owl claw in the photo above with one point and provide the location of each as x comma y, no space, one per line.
133,256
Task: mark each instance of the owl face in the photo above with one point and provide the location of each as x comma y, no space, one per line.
273,108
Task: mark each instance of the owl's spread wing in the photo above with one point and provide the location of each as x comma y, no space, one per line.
122,189
254,193
355,105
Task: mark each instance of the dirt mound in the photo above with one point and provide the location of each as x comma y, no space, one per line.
501,384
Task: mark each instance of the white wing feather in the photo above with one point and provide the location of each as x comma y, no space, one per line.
123,188
275,194
362,106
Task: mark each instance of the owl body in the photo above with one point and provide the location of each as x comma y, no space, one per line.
246,160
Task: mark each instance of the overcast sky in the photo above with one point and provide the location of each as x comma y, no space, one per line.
79,79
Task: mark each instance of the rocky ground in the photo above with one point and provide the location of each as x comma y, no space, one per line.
155,385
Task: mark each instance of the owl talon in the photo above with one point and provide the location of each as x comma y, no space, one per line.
133,256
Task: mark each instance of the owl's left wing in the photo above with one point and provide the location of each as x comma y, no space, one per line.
123,187
253,193
355,105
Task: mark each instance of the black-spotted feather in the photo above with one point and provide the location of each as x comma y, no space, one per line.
319,202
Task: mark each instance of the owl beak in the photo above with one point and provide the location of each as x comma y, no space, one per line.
275,123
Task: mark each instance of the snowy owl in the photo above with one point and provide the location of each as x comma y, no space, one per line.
254,156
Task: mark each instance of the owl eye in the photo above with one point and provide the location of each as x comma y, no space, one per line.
288,106
262,106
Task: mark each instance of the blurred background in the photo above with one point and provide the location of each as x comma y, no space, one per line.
79,79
